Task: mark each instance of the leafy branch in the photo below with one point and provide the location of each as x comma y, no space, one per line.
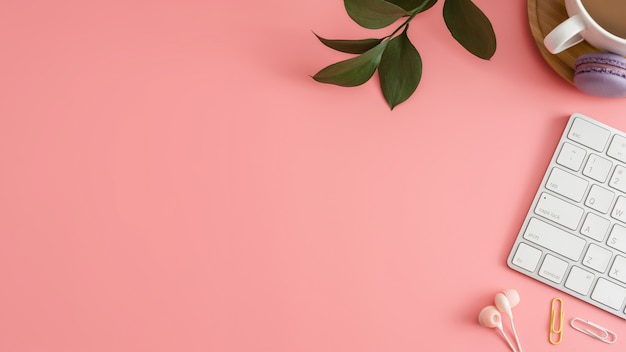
398,62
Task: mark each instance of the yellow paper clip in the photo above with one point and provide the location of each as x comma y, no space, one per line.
553,328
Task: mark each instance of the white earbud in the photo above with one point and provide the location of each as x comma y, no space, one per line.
491,316
505,301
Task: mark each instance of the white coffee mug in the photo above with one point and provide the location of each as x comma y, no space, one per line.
582,26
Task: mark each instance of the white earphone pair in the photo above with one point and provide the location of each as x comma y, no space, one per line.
491,316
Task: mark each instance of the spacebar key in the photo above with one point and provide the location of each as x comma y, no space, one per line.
554,239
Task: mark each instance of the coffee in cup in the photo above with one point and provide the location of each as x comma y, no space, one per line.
602,23
608,14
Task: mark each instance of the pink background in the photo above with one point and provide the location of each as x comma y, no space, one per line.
172,179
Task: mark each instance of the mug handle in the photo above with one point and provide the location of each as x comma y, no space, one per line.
565,35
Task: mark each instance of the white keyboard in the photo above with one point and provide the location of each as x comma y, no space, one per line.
574,235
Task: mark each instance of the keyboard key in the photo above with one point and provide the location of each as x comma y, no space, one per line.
589,134
618,269
527,257
617,238
618,180
554,239
579,280
609,293
617,148
597,168
619,210
595,227
597,258
553,268
599,199
559,211
567,185
571,156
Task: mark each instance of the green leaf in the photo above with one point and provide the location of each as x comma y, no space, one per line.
354,71
400,70
470,27
350,46
374,14
426,5
412,5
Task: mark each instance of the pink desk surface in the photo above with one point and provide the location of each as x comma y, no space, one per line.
172,179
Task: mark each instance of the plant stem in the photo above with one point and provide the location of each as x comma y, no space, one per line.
405,25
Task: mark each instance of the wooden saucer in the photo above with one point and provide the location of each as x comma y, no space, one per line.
543,16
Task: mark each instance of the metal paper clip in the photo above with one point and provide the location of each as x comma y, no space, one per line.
596,330
553,329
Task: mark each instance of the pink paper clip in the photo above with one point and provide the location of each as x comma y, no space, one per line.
593,330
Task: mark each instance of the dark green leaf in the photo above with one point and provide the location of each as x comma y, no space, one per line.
350,46
426,5
470,27
374,13
400,70
411,5
354,71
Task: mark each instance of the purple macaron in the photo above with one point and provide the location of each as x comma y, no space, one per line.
601,74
